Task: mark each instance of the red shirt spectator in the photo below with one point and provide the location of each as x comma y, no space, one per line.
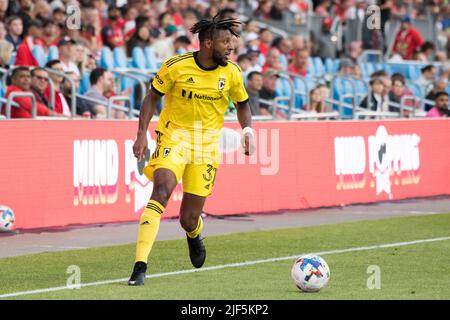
25,104
21,82
407,40
24,52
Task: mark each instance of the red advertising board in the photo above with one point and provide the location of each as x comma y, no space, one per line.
57,173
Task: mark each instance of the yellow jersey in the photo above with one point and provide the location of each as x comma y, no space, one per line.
196,98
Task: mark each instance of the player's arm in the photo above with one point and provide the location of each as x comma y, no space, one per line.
145,115
245,120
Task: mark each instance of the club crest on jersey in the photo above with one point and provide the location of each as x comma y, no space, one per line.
221,84
166,152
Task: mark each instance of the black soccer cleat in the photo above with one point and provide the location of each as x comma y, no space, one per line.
197,251
138,276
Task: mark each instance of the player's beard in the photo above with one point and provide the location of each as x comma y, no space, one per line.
221,60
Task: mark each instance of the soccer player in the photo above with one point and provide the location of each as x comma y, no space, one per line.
197,87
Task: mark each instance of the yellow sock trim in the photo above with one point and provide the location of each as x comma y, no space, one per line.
198,230
148,229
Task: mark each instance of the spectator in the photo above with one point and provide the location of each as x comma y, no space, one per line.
14,26
273,60
285,47
398,91
61,105
254,86
280,10
346,67
41,10
102,81
267,92
141,37
439,86
182,44
427,51
6,50
428,74
440,108
263,10
112,34
25,14
39,82
355,51
265,39
91,27
59,15
300,64
254,56
4,5
244,63
377,101
51,33
3,31
66,90
316,101
66,48
21,82
34,37
407,40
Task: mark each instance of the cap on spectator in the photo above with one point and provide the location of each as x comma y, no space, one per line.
251,36
66,40
253,49
406,19
171,29
270,73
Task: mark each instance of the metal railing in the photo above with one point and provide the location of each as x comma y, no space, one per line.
111,105
10,103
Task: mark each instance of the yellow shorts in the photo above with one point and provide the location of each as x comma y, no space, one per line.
198,177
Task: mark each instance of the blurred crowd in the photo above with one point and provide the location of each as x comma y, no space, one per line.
80,29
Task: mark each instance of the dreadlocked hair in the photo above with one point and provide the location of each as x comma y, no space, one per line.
206,28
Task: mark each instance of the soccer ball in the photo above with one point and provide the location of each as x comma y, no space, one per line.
6,218
310,273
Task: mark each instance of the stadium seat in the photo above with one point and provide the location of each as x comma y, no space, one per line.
283,61
39,54
414,71
106,58
138,58
342,87
120,58
319,67
53,53
302,91
151,62
84,83
416,89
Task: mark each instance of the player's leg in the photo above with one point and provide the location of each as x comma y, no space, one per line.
198,182
191,221
164,181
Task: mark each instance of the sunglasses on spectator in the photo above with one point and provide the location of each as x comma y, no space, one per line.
41,78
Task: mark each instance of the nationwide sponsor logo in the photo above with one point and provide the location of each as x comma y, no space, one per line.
380,161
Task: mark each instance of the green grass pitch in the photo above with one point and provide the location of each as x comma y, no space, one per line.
418,271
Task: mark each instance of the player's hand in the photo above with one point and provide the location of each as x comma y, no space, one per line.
140,146
248,144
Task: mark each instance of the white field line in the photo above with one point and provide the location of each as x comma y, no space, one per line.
230,265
